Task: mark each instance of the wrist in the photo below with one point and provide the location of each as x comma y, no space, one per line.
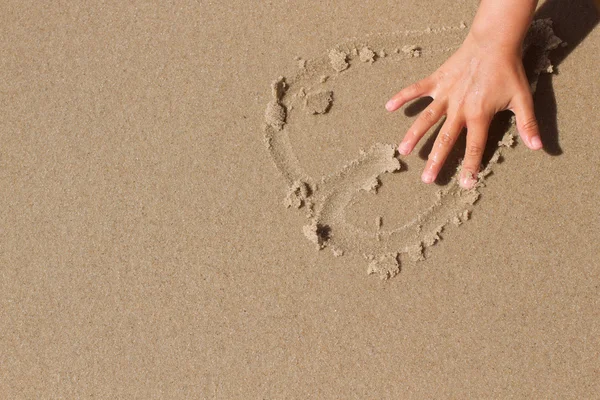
502,25
490,41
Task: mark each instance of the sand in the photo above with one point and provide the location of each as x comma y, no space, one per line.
203,200
366,55
411,50
331,195
338,60
318,102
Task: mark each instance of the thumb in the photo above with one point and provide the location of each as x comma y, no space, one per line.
527,124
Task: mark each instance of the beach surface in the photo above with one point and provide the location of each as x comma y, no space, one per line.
203,200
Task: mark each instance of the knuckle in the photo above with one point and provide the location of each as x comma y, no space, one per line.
416,87
477,114
473,168
445,138
429,115
530,125
439,75
474,150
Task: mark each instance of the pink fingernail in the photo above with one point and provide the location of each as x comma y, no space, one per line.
427,177
390,105
536,143
404,149
467,180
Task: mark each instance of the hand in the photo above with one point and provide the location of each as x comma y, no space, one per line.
475,83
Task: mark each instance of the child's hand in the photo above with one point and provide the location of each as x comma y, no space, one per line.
483,77
469,88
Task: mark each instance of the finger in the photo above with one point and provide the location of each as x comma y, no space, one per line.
477,132
428,117
417,89
527,124
441,148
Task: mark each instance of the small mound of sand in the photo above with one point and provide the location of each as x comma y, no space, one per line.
337,252
297,194
462,217
412,50
508,140
318,102
316,233
275,114
366,55
338,60
386,266
372,185
416,252
433,237
539,42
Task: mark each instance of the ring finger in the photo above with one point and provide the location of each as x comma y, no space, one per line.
441,148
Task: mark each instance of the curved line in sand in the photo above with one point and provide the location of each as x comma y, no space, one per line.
327,198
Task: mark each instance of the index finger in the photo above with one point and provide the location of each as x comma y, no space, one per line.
416,90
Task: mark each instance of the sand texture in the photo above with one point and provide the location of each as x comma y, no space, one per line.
203,200
327,198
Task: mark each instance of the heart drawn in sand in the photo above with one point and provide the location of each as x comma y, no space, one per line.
327,198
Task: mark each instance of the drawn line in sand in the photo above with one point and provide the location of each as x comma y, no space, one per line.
327,198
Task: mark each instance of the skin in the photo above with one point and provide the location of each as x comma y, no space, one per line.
484,76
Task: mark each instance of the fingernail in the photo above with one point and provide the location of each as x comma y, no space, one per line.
467,179
536,143
427,177
390,105
403,149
